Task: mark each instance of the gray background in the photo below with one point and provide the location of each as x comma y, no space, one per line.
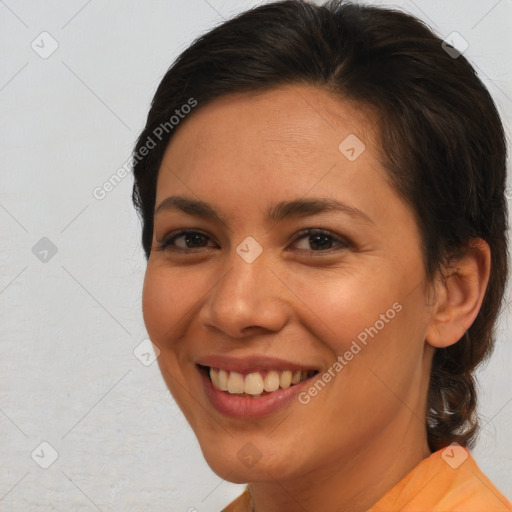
72,267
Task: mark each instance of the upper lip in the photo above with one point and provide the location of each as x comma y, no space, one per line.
250,364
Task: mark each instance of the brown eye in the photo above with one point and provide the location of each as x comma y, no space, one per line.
185,240
191,240
317,240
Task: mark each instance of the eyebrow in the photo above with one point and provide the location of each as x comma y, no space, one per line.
276,213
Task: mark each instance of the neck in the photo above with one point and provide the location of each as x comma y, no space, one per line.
350,482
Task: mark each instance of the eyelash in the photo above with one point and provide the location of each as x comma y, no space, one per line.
169,241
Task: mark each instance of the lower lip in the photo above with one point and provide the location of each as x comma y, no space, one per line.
245,407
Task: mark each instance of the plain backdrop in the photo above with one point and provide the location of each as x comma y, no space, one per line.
79,394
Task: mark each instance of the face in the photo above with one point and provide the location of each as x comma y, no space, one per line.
298,280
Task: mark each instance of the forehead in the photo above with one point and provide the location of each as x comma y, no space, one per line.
276,137
292,113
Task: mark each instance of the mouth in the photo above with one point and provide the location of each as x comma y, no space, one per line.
256,384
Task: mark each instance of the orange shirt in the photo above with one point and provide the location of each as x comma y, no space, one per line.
447,481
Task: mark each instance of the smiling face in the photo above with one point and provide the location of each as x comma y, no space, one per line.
328,290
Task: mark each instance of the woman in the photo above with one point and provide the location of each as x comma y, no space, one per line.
322,198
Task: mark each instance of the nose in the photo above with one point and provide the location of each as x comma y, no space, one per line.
249,299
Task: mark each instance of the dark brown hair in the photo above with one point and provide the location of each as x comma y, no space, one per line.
441,137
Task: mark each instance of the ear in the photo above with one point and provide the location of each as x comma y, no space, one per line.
459,295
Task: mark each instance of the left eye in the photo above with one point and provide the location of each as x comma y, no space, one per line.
323,240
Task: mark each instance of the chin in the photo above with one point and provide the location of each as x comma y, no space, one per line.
229,468
246,464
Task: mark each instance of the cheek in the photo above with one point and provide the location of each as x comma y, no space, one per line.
163,303
343,303
369,317
153,301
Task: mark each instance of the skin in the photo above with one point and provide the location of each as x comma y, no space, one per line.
299,302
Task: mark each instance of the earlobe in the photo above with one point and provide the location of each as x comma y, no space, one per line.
459,295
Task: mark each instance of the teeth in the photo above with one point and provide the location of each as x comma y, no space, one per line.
271,381
253,383
235,382
223,380
286,379
214,375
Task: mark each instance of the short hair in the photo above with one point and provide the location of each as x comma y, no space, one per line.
441,141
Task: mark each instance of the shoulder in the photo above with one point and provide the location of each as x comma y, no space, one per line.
449,480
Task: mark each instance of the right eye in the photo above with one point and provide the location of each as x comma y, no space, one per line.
190,239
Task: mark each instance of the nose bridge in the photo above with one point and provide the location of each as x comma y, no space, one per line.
246,295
